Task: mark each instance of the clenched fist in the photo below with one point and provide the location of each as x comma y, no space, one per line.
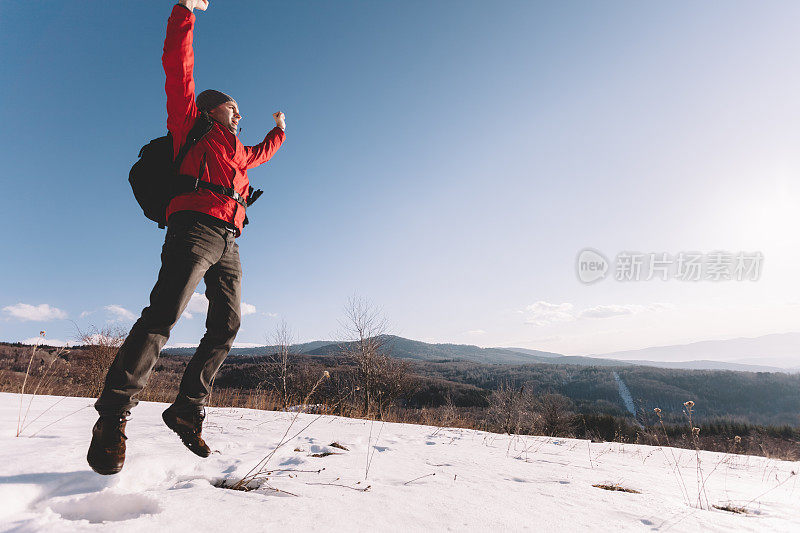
280,119
191,5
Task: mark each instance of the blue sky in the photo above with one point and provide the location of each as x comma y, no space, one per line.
446,160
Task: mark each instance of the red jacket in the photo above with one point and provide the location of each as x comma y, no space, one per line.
227,159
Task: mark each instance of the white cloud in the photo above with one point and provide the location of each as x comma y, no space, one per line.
476,332
271,315
84,314
120,313
41,312
182,345
247,344
197,304
608,311
545,313
45,342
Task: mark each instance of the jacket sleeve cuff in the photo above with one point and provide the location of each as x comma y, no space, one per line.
277,131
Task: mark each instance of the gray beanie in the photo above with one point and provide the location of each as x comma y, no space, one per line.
209,99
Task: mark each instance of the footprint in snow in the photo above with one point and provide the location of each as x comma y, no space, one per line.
58,485
106,507
231,468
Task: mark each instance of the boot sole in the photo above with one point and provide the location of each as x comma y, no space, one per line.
102,469
199,453
101,463
109,472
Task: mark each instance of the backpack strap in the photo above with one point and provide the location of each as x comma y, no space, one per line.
219,189
201,127
191,183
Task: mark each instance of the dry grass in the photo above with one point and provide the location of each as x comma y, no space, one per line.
45,377
259,470
615,487
731,509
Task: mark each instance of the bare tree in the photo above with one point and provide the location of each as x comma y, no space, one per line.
556,413
380,378
101,347
392,379
510,408
276,371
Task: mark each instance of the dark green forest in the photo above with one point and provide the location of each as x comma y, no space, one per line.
753,397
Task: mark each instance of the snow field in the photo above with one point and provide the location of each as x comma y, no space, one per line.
420,478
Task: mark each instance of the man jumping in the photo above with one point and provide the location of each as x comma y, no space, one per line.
202,227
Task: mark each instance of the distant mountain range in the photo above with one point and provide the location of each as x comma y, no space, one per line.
770,353
402,348
779,350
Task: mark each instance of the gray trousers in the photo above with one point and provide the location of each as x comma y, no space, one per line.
196,246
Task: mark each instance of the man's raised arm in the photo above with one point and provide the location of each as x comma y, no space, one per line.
178,61
263,152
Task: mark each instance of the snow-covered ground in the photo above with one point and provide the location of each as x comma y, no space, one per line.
420,478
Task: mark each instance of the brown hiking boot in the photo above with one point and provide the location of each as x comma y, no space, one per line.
188,427
107,450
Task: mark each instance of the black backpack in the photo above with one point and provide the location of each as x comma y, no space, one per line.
155,180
